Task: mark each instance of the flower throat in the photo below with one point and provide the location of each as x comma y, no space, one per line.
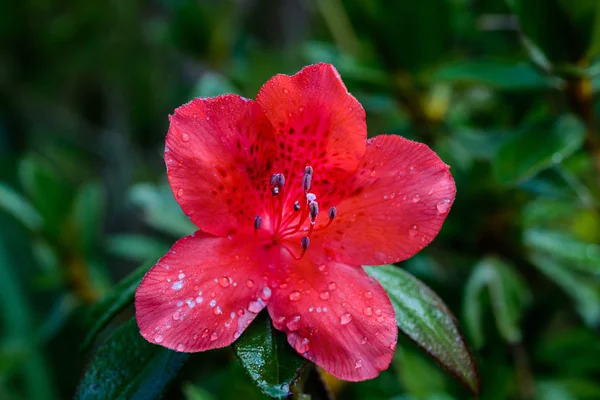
287,223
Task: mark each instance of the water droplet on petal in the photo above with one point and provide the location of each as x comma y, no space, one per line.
285,91
373,173
380,319
345,319
240,312
369,294
180,192
224,281
443,206
250,283
294,323
302,346
393,346
266,293
413,231
177,285
301,108
255,307
358,364
214,336
205,333
176,315
368,311
159,338
378,312
185,137
199,299
212,303
364,340
322,267
332,286
416,198
295,296
180,347
217,310
324,295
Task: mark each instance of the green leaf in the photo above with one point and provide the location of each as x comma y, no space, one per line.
524,154
495,74
212,84
508,295
193,392
584,292
559,245
161,211
129,367
270,361
136,247
425,319
102,312
19,207
88,215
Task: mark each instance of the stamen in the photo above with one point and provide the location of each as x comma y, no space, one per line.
304,243
257,222
273,180
277,180
310,197
296,206
314,211
307,178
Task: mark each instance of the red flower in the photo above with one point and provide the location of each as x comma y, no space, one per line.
291,199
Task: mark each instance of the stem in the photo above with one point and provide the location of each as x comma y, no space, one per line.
524,375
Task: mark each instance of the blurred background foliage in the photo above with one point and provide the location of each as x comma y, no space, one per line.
504,90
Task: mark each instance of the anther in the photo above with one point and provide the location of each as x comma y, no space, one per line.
275,191
257,222
310,197
280,180
307,178
296,206
273,180
332,212
304,243
314,210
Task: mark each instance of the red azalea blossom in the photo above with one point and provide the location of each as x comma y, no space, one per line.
291,199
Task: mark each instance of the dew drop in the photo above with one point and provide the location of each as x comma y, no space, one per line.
205,333
180,192
413,231
416,198
345,319
240,312
185,137
380,318
378,312
180,347
332,286
266,293
181,275
294,323
324,295
285,91
177,285
212,303
179,303
302,346
255,307
199,299
214,336
224,281
358,364
322,267
364,340
368,311
369,294
295,296
217,310
250,283
301,109
176,315
159,338
443,206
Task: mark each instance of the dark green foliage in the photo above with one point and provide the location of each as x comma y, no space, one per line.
505,91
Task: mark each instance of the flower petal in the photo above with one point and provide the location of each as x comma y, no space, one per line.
202,294
338,317
392,208
218,153
316,122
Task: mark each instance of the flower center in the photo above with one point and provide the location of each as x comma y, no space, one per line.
288,224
